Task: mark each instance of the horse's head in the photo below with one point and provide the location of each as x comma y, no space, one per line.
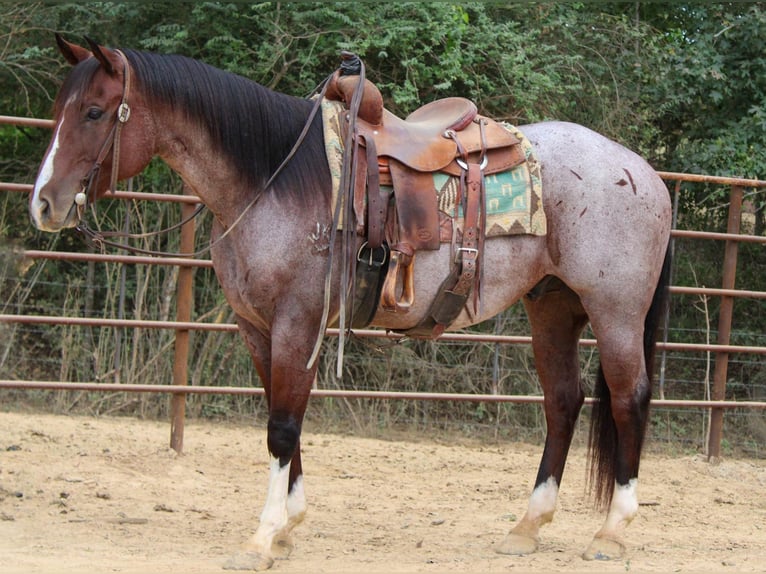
91,137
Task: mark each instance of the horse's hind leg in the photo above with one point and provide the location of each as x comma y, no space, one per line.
557,318
623,392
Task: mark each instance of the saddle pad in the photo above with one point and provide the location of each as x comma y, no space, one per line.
514,198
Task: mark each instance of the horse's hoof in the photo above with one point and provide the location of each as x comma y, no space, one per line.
249,561
604,549
282,547
517,544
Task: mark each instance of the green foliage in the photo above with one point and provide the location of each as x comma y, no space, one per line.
711,96
681,83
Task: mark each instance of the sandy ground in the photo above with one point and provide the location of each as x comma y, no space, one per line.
98,495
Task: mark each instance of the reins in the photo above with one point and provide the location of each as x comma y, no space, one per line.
350,65
99,238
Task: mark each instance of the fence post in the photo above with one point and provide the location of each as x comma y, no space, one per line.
184,298
724,323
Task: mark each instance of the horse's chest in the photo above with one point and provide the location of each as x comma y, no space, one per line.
258,281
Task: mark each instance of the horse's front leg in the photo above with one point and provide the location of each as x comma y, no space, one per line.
282,544
287,390
284,509
285,505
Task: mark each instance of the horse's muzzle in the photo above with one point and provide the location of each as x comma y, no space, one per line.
44,217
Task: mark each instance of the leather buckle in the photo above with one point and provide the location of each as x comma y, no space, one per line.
470,251
371,260
464,165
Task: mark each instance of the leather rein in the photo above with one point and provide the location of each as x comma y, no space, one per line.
87,194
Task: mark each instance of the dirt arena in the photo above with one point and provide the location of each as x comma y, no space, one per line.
98,495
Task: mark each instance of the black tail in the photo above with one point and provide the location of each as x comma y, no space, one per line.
602,441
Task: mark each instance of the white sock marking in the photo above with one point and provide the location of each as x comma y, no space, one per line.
296,501
274,515
624,506
543,499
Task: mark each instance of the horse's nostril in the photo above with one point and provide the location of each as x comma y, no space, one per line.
40,210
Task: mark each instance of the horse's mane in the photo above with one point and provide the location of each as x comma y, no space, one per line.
253,126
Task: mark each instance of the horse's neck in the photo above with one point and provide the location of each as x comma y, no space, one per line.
189,151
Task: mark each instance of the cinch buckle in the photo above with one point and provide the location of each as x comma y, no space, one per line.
371,262
469,250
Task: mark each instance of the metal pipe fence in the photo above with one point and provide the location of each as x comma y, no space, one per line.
183,324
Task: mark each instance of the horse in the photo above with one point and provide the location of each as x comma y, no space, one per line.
604,261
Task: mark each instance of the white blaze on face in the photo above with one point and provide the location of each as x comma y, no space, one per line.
46,171
45,175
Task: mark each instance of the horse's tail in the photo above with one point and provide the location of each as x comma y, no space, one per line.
602,441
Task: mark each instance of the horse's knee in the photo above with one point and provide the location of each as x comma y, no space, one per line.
283,435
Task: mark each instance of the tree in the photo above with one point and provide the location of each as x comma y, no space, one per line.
711,95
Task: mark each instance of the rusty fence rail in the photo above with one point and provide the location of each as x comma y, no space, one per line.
183,323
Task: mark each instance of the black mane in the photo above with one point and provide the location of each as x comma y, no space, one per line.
253,126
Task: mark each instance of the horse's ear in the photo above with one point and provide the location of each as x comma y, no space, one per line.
73,53
106,57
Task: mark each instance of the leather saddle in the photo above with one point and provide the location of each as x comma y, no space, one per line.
419,141
449,136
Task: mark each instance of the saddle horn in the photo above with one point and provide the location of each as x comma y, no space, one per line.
343,85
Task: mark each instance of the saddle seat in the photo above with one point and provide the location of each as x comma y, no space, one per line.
419,140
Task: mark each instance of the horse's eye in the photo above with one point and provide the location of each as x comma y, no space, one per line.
95,113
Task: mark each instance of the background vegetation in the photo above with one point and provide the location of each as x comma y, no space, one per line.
684,84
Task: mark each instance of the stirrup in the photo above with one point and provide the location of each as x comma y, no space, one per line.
401,270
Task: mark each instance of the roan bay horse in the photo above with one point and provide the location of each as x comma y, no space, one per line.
608,217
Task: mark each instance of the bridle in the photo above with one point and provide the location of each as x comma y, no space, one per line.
112,142
87,193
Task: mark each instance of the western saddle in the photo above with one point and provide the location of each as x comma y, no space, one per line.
448,136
